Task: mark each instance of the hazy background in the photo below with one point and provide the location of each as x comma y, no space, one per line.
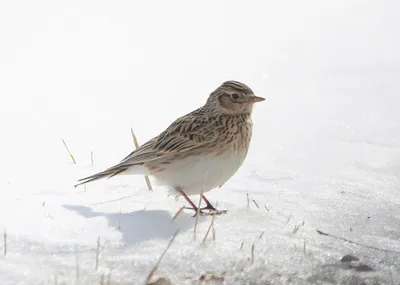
141,63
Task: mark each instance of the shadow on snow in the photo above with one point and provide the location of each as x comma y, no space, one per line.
142,225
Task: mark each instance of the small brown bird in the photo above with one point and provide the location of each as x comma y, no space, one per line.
199,151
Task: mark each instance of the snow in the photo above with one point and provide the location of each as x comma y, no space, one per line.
325,152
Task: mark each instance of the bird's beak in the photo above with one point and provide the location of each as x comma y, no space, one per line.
256,99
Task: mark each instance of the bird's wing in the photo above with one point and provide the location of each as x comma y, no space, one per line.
191,131
186,133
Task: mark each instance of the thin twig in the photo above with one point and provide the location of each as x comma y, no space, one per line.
136,143
208,231
241,246
161,257
214,232
295,229
97,253
256,204
77,270
178,213
356,243
252,253
70,154
266,208
290,216
197,217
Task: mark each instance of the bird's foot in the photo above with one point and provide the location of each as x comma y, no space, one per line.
206,211
214,212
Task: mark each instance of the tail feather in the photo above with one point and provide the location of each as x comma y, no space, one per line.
108,173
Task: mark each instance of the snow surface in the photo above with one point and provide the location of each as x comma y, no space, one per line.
325,153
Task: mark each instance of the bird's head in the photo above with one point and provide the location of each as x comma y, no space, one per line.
233,98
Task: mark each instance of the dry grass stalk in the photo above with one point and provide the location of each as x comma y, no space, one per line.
70,154
5,242
252,253
136,143
77,270
209,228
197,217
290,216
261,235
353,242
91,158
266,208
256,204
248,201
178,213
153,271
97,254
241,246
296,228
214,232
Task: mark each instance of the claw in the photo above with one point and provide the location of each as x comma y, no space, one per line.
211,212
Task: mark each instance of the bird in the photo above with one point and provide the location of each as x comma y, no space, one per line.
199,151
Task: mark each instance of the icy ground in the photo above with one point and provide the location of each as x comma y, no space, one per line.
325,153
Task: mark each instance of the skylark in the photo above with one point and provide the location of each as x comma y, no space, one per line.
199,151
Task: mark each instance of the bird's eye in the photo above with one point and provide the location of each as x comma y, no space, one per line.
235,96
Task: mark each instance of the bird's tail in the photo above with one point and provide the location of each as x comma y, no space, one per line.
108,173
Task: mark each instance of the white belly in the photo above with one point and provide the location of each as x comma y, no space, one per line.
196,174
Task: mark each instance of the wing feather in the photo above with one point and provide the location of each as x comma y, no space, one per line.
186,133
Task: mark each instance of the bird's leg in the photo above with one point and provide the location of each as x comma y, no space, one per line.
209,206
194,207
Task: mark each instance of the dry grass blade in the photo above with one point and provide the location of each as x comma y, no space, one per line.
290,216
295,229
136,143
254,201
241,246
252,253
77,269
197,217
248,201
91,157
70,154
353,242
153,271
214,232
209,228
97,253
178,213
